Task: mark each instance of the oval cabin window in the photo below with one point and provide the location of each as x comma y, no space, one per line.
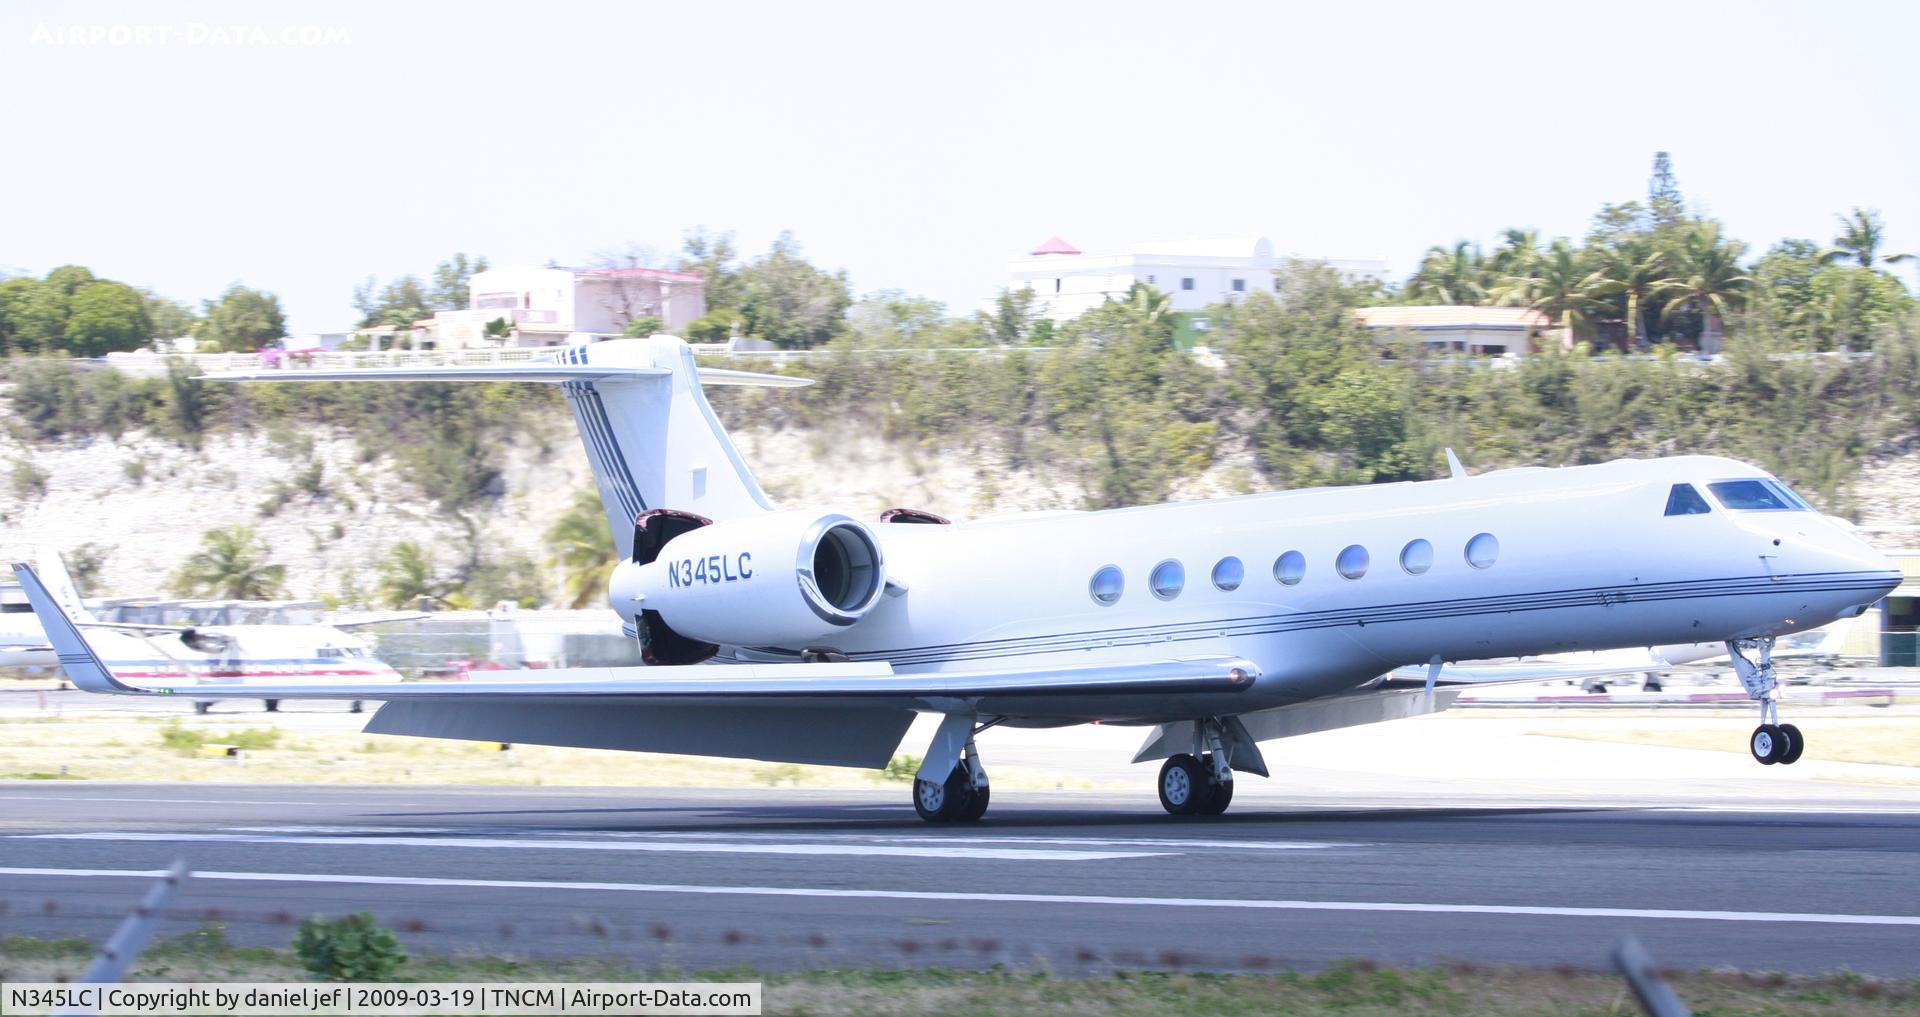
1416,557
1107,585
1483,550
1228,574
1352,562
1290,568
1169,578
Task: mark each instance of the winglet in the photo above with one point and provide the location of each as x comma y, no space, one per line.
1454,469
76,656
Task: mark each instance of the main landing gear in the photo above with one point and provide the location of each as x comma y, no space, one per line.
961,796
1772,742
1199,783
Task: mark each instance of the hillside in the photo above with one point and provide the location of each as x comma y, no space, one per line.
146,501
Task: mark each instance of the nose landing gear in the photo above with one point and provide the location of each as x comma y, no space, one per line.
1772,742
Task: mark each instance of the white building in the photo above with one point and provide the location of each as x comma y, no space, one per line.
545,306
1195,272
1463,328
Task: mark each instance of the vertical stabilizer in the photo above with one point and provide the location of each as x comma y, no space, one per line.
653,441
59,584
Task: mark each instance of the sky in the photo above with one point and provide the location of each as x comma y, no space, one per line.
301,147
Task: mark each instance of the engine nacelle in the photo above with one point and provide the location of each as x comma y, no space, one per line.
781,579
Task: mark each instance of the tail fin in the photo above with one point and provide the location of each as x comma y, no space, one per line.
77,657
59,586
650,435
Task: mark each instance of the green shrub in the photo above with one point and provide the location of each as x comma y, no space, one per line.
901,767
28,480
187,741
354,948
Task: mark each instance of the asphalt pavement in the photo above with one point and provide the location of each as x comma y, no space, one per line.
1813,881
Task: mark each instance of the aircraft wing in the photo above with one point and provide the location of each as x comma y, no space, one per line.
762,684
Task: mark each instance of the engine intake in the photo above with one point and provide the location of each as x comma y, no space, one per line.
781,579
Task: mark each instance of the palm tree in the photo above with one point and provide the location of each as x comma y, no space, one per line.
1153,306
407,577
1707,276
1455,275
231,564
1861,235
1518,252
583,550
1636,269
1558,284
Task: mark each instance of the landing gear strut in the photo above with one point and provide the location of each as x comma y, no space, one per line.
1199,783
963,795
1772,742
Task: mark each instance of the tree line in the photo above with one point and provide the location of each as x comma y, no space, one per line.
72,312
1651,272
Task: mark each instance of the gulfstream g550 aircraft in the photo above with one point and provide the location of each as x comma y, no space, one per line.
814,637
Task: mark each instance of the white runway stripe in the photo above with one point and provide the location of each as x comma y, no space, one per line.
673,847
1176,843
1810,918
163,801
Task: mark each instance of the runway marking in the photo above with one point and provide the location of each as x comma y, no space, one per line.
1807,918
160,801
674,847
865,838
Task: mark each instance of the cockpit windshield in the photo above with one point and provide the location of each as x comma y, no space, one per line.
1757,496
1683,500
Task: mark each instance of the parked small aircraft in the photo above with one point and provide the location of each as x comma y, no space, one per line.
1217,624
186,657
23,640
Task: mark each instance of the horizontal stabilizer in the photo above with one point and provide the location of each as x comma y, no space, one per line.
533,371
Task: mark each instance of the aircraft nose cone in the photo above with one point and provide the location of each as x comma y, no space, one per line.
1871,574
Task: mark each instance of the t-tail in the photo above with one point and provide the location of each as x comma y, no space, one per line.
59,586
650,435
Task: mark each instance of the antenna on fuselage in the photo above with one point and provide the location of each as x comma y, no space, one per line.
1454,468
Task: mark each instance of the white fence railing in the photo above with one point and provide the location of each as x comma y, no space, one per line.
268,360
155,364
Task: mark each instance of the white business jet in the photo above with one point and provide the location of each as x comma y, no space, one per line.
813,637
227,657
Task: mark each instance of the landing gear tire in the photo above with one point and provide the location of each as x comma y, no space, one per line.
1767,744
1795,745
1183,785
1219,796
977,799
946,802
357,707
273,705
202,706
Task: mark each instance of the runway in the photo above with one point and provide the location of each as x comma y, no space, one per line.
1076,881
